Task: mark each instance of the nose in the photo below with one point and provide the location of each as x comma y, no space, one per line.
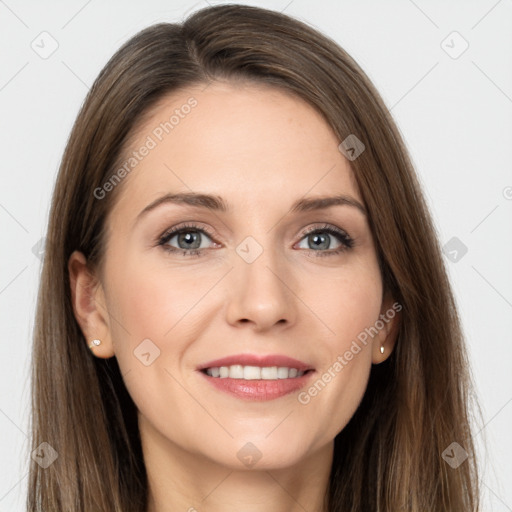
260,293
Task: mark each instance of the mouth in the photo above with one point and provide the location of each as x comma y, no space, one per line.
255,367
255,377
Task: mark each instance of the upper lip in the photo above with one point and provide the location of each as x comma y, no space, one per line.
257,360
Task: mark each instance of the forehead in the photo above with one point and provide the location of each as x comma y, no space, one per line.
255,145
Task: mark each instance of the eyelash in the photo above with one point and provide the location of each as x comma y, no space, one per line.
346,241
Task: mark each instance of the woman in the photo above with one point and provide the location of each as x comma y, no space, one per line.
243,302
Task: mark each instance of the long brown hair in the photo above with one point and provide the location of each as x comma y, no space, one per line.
418,402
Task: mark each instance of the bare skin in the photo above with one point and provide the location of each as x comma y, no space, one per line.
260,150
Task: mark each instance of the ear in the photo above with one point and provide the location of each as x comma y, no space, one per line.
388,324
89,305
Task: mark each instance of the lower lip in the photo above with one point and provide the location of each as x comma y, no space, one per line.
258,389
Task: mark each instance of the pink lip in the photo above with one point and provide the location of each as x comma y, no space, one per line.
256,360
259,390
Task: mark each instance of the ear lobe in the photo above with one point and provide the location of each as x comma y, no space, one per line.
89,306
391,318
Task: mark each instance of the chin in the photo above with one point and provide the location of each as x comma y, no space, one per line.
259,454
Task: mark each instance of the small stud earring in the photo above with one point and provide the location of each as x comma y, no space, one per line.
94,343
382,349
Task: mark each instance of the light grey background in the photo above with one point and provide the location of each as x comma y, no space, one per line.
455,115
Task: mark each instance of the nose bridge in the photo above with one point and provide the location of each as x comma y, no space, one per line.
259,289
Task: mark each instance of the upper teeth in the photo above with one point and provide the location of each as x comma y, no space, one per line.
237,371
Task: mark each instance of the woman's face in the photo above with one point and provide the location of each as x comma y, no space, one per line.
262,277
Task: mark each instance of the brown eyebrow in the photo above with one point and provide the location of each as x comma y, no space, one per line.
217,203
320,203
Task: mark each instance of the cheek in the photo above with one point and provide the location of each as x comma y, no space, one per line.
145,307
154,311
150,302
148,310
350,307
